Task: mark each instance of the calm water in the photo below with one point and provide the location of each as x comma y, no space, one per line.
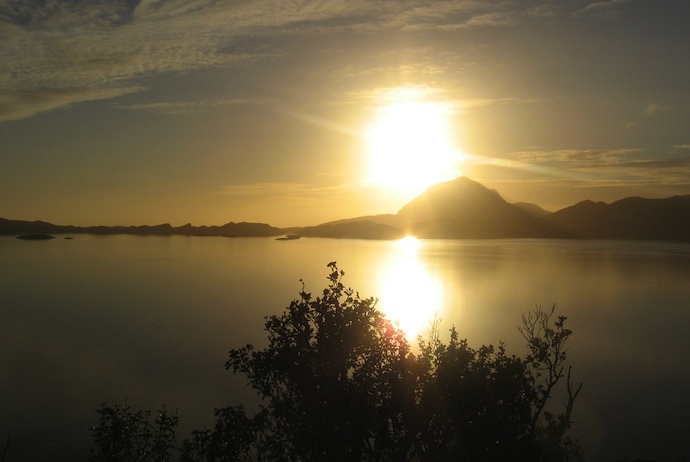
99,319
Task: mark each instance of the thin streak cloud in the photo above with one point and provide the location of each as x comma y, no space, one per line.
79,48
183,107
613,166
25,103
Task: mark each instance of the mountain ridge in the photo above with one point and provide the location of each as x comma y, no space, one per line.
456,209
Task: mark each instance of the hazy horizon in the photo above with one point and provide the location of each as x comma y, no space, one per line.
344,218
119,113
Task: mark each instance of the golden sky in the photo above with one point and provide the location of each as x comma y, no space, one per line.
300,112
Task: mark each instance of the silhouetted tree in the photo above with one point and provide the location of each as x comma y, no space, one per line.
235,437
123,435
339,382
331,379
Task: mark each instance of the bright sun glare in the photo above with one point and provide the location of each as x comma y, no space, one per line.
411,296
410,145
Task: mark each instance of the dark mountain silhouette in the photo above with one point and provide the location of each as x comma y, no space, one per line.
355,229
385,226
532,209
232,229
14,227
630,218
463,208
457,209
11,227
387,219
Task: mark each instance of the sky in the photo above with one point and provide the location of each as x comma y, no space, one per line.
296,113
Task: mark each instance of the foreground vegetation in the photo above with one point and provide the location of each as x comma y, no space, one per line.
339,382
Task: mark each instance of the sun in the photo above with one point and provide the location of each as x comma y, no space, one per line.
409,146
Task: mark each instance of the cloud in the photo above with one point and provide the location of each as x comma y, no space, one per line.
184,107
664,164
653,109
575,157
26,103
42,13
494,19
286,191
449,20
90,47
473,103
607,10
613,165
543,11
605,5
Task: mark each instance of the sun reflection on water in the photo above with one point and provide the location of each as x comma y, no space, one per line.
409,294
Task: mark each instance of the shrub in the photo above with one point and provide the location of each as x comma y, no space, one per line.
123,435
339,382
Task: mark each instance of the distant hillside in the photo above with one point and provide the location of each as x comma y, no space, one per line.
630,218
17,227
463,208
532,209
353,229
387,219
457,209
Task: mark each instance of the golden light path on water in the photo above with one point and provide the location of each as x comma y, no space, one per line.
409,294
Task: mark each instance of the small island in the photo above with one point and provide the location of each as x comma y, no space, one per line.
36,237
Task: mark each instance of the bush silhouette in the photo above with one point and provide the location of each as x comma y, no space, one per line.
126,435
339,382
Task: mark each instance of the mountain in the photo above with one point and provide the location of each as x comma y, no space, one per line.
11,227
353,229
387,219
456,209
385,226
631,218
532,209
14,227
463,208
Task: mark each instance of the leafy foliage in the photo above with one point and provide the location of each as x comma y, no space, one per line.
338,381
123,435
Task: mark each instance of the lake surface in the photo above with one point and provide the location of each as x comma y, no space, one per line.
104,318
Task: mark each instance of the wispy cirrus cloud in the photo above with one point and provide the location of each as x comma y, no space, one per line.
606,10
612,165
543,11
25,103
653,109
605,5
182,107
575,157
57,53
286,191
66,50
